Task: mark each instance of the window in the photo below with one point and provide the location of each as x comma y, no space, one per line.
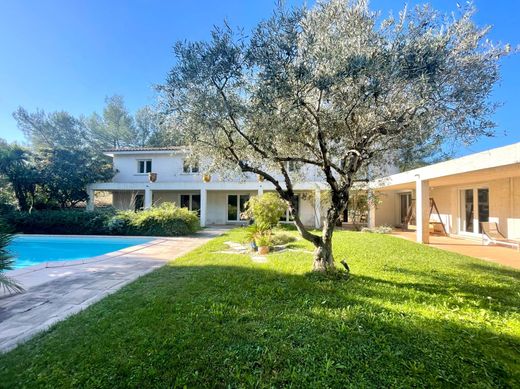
292,166
144,166
236,206
191,201
190,168
287,217
139,202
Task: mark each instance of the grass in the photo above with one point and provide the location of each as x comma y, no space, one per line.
409,316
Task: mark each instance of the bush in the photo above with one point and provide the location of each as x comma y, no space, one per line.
279,239
266,210
164,220
67,222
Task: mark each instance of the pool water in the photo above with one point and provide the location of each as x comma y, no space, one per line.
33,250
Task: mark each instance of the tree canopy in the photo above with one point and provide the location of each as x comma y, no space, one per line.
333,87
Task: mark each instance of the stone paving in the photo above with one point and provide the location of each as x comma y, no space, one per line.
474,248
54,293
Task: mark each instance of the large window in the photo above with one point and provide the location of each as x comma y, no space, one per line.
144,166
191,201
236,206
474,209
287,217
190,168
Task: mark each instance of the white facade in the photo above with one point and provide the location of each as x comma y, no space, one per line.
132,188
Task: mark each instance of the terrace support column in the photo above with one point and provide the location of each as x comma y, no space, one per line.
260,190
422,210
147,198
90,200
317,208
203,206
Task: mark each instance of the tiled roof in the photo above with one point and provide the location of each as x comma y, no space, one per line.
124,149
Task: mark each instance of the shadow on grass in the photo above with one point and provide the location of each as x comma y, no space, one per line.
220,326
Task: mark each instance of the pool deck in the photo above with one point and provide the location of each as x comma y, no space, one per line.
54,293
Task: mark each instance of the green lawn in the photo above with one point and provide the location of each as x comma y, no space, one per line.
409,316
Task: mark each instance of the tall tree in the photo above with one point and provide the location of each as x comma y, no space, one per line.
115,128
152,130
65,174
56,129
18,168
333,87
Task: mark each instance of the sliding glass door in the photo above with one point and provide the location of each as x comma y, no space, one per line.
474,209
236,205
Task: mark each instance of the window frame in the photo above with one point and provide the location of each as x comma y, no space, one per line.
239,210
190,168
190,201
145,163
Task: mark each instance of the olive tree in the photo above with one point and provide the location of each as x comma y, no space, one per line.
334,87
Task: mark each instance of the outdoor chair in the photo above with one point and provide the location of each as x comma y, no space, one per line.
491,234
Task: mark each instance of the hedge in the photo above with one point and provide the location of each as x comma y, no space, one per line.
164,220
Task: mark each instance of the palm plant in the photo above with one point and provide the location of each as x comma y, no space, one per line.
6,263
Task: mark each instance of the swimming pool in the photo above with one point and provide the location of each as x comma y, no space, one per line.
34,250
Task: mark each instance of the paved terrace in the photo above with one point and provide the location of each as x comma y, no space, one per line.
54,293
493,253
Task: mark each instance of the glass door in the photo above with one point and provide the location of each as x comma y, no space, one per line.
405,201
483,207
236,205
474,209
466,212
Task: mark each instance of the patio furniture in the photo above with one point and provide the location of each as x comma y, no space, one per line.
435,226
491,234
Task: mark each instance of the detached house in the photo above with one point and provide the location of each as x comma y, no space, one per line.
146,176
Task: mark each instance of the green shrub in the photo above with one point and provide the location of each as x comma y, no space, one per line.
286,226
266,210
67,222
164,220
280,238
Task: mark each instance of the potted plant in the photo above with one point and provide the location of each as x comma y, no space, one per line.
263,241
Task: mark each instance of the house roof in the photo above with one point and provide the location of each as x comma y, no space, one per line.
486,165
132,149
142,150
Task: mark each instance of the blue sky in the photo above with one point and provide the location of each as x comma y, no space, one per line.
69,55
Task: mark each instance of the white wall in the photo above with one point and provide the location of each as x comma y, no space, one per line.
169,168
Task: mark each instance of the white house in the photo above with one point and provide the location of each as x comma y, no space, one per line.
218,200
482,187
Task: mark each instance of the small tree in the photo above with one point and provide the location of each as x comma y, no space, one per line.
335,88
266,210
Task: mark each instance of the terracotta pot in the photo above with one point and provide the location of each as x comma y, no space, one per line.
152,177
206,178
263,250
